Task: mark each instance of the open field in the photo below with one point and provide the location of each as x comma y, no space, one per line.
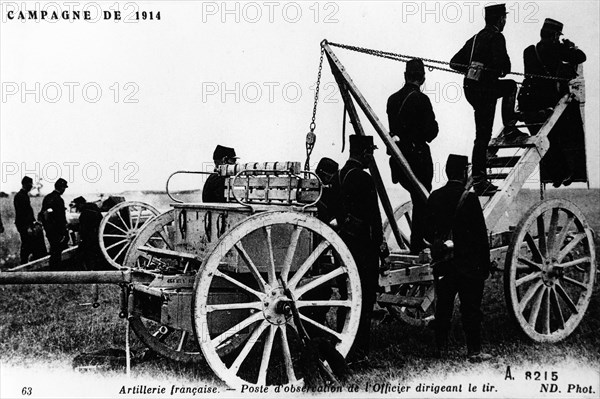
48,325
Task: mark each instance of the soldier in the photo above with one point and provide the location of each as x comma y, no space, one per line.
55,222
550,57
214,187
32,238
452,209
413,125
361,230
90,218
484,59
328,207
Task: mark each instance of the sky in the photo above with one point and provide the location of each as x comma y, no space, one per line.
118,105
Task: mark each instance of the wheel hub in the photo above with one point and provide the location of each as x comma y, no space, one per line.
550,273
276,307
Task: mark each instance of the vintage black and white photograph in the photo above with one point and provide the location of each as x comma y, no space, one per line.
230,199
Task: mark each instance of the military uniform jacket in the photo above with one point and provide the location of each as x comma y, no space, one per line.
56,221
214,189
490,49
89,224
361,215
415,122
555,59
469,233
23,212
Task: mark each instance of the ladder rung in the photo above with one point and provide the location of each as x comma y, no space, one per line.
502,162
497,176
501,142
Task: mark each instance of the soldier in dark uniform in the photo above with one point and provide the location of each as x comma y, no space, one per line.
565,160
469,269
90,218
214,187
328,207
413,125
361,230
32,238
487,49
55,222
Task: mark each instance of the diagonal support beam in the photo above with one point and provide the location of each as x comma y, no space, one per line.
340,73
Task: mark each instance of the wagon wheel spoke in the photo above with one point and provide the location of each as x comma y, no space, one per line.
557,309
271,266
575,282
287,355
535,309
182,341
537,255
546,321
541,230
528,278
530,264
115,235
560,239
116,227
566,298
289,256
321,326
408,220
575,262
251,266
234,306
121,251
312,258
552,230
318,281
237,363
529,295
266,356
236,328
127,226
570,246
116,243
238,283
325,303
139,217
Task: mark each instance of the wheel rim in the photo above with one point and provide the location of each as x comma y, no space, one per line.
403,217
269,356
120,226
174,344
550,270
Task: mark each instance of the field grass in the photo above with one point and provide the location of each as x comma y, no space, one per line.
48,324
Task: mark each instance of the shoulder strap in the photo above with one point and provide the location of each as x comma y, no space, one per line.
473,48
537,54
404,102
461,201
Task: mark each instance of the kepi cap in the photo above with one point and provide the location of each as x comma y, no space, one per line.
415,66
26,179
326,169
223,152
359,144
552,25
456,164
60,183
79,201
495,10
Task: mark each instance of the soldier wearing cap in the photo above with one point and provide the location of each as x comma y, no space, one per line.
214,188
466,273
361,230
328,207
54,220
90,218
484,60
552,57
32,237
412,126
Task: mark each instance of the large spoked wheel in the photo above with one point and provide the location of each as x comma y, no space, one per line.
120,226
424,314
246,286
550,270
174,344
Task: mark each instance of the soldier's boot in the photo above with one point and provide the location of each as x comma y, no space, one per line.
510,118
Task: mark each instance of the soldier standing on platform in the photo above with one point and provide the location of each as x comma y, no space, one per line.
54,220
484,60
214,187
565,160
454,212
413,125
361,230
32,237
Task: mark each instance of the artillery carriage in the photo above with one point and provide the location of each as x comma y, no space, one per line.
223,281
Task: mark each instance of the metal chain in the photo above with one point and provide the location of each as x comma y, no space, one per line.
311,137
406,58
